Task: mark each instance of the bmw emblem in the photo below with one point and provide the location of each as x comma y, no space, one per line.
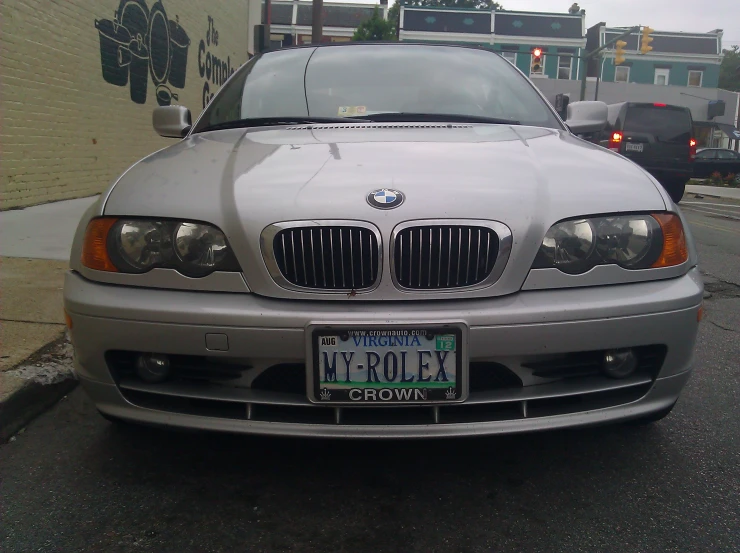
385,198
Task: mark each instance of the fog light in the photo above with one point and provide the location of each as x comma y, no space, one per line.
619,363
153,367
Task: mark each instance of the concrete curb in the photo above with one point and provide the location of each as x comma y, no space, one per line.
700,195
28,398
726,192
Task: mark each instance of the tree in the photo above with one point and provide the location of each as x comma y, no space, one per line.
729,71
376,28
394,15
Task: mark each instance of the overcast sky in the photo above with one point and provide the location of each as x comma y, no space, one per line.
662,15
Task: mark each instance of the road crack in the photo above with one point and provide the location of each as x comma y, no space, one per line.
31,322
719,287
721,326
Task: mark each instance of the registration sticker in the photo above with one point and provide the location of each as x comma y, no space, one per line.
349,111
387,365
446,342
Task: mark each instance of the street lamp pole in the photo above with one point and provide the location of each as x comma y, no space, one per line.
317,12
596,52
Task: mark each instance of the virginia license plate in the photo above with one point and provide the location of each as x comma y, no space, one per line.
387,365
634,147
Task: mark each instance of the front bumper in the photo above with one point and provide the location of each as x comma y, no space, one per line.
268,332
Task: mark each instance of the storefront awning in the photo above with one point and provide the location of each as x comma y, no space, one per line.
729,130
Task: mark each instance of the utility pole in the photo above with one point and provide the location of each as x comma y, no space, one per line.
596,52
317,12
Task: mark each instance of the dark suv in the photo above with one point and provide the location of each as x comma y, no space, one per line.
658,137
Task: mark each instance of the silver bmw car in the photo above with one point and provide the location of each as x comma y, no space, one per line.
383,241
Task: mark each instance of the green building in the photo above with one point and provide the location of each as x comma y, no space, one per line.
677,59
516,35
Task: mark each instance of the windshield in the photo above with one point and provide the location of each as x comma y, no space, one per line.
665,124
385,81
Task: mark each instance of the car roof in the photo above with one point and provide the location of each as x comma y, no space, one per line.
649,105
351,44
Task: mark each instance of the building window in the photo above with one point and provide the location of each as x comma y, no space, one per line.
695,78
564,67
661,76
510,56
622,74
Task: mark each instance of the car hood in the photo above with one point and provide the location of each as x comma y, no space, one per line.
244,180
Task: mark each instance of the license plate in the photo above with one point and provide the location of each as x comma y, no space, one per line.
388,365
634,147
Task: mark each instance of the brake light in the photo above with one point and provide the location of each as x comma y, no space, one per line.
615,141
692,149
660,105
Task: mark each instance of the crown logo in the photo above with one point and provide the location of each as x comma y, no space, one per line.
450,393
325,395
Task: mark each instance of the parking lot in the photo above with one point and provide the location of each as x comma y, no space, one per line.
72,481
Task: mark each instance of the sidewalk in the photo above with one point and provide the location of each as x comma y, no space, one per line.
34,253
718,191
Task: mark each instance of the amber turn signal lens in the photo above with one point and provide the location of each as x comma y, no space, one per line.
67,320
675,251
95,247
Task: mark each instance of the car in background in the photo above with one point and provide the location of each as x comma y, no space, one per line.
717,160
658,137
383,241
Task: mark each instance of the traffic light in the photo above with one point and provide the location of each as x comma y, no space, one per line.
619,53
646,40
536,67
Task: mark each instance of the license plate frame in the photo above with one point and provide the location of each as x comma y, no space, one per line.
635,147
438,395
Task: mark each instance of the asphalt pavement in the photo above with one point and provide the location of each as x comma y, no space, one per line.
74,482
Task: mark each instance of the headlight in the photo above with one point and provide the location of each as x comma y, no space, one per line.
200,248
630,241
139,245
569,246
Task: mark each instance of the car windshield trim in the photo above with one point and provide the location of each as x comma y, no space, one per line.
394,117
276,122
377,83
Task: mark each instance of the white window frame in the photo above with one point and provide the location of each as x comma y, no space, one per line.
570,66
701,78
616,70
662,72
542,67
505,53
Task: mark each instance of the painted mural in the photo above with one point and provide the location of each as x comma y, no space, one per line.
141,44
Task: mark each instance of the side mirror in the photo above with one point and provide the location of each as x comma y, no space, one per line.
587,117
171,121
561,104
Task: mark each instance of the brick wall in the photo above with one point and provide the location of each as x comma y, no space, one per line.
78,89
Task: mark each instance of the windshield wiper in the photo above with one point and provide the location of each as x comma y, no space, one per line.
398,117
277,121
